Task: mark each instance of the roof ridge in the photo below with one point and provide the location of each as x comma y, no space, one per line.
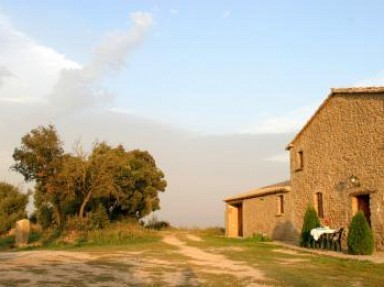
334,91
371,89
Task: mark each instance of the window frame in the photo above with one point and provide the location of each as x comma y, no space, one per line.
300,160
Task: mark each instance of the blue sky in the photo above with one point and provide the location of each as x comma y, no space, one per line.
218,66
225,82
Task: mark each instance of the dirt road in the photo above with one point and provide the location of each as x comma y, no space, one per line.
177,264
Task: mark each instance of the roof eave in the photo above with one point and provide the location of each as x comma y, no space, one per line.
267,192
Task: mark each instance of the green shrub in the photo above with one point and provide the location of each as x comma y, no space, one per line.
99,217
7,242
310,221
260,237
12,206
156,224
34,237
214,230
360,238
76,223
44,217
120,234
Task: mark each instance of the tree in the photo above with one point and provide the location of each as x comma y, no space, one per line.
311,221
125,183
147,180
12,206
360,238
39,159
39,155
85,178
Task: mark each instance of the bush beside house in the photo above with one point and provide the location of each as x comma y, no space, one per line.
360,237
310,221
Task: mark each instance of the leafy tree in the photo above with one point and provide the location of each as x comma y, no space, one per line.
146,180
39,158
88,179
12,206
360,238
125,183
311,221
39,154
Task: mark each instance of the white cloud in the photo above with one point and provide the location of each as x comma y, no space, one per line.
31,72
290,122
79,88
3,74
34,67
124,111
24,100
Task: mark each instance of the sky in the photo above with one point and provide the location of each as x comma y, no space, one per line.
214,90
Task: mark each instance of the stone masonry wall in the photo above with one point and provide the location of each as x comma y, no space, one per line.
260,216
346,138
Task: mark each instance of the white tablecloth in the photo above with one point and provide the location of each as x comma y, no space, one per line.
317,232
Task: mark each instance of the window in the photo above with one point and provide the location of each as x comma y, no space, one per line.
280,204
300,160
319,204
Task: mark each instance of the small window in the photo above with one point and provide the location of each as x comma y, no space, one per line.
280,204
319,205
300,160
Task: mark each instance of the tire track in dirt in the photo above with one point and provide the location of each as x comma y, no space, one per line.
215,263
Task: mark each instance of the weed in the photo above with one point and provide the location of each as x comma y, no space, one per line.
7,242
13,282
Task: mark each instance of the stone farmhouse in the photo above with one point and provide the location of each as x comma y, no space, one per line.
336,165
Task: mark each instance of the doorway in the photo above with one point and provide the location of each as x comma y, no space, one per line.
363,204
234,221
240,220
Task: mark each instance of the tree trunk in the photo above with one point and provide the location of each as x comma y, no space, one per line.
57,215
84,204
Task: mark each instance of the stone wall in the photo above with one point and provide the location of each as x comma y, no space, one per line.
23,228
344,140
261,216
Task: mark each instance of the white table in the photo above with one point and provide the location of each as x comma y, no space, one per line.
317,232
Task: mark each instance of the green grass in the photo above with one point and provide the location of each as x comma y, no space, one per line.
37,271
116,236
316,270
14,282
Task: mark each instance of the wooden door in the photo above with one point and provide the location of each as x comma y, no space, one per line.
363,205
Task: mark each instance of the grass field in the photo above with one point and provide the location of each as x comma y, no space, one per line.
183,258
